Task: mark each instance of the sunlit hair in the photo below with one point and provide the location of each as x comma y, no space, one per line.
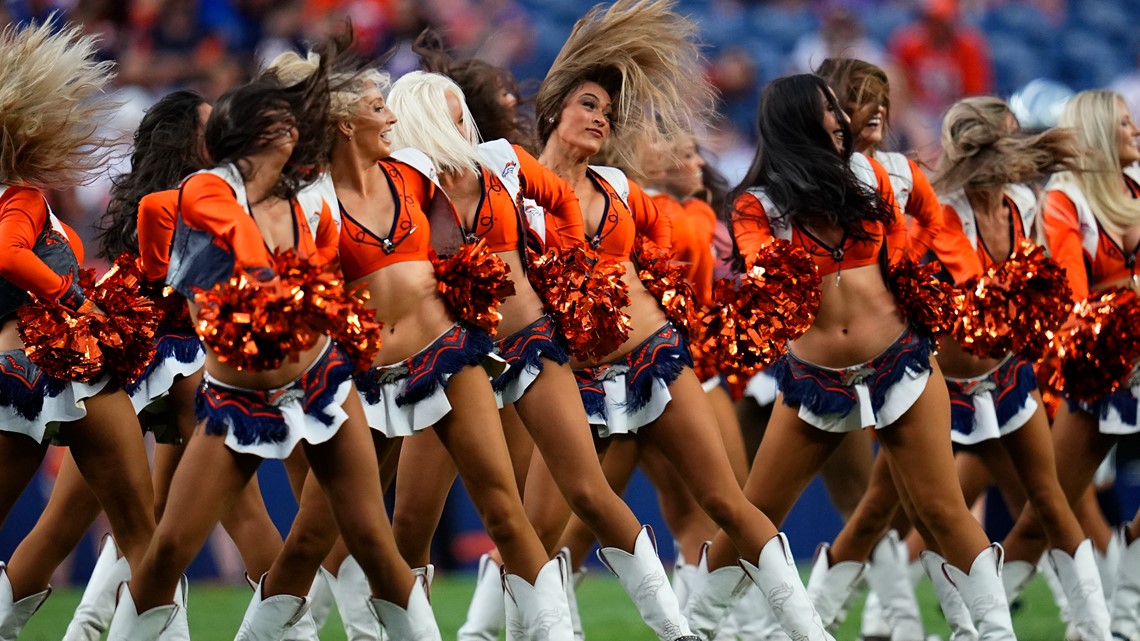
167,148
643,53
420,102
347,86
981,151
1095,116
52,103
857,84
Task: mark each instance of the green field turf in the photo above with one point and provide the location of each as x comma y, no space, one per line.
215,612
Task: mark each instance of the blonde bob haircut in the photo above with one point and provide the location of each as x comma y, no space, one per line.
52,103
347,88
1095,116
981,149
424,121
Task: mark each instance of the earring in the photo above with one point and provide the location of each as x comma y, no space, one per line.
550,120
350,138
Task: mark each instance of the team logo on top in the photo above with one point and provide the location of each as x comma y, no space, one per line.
510,168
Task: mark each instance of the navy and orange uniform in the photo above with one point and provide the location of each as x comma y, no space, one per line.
916,198
41,255
692,242
628,212
754,226
216,235
1088,253
961,248
158,217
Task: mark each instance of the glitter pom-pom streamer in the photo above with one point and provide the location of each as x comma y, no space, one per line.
60,341
1097,348
666,280
474,282
929,304
126,333
586,296
1015,306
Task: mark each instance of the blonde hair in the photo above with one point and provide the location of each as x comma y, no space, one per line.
420,102
1094,115
346,87
643,53
981,152
52,102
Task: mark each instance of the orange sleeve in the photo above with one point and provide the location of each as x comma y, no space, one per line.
702,215
328,236
649,222
75,241
895,234
22,217
923,207
158,214
208,204
954,250
554,195
750,226
702,219
1063,233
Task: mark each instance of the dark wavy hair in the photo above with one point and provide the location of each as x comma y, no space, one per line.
165,151
241,116
797,165
481,83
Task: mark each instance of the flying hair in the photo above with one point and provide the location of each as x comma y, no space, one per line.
419,100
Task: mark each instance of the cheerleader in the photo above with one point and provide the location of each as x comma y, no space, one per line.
1092,223
620,66
51,88
266,138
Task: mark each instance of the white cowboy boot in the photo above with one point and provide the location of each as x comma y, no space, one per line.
829,586
1126,596
1049,573
572,594
957,616
754,618
779,581
712,595
413,623
179,627
888,574
1108,563
270,618
538,612
1015,575
874,626
129,625
682,574
1080,579
643,578
97,605
352,592
321,599
485,615
14,614
983,594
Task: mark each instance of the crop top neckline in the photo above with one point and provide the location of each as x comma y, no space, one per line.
386,243
601,232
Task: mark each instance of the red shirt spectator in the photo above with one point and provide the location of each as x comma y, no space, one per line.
943,59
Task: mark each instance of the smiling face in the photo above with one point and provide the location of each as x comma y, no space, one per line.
371,126
833,121
1126,135
584,122
685,177
280,138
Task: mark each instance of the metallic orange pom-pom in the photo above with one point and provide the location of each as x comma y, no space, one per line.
753,318
358,332
170,308
666,280
926,301
1015,306
586,296
126,333
1098,347
60,341
474,282
706,362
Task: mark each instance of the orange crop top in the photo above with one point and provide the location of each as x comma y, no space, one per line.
963,258
1089,255
621,223
40,254
499,218
364,251
692,243
158,217
752,230
216,235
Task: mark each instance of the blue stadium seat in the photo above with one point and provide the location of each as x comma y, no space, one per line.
1015,63
1022,20
1088,60
780,28
1107,19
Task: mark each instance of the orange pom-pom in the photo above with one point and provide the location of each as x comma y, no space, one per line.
1015,306
126,333
358,333
474,282
927,302
667,282
753,318
1097,347
60,341
586,296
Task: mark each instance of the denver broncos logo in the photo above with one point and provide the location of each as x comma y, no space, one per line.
779,596
510,168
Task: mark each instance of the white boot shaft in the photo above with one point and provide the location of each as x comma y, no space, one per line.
873,625
351,591
754,618
576,579
1015,575
830,585
712,596
1126,596
1080,580
321,599
984,595
1108,563
270,618
539,612
779,581
179,627
643,578
128,625
486,614
957,616
888,574
14,614
97,605
413,623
